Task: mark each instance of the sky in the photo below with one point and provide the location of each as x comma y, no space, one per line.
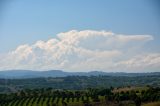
80,35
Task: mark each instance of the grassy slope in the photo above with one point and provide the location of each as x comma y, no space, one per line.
152,104
125,89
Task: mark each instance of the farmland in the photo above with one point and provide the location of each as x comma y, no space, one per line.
81,91
88,97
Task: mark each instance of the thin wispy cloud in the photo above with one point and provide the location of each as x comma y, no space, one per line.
85,50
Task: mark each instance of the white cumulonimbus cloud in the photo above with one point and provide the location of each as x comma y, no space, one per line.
84,51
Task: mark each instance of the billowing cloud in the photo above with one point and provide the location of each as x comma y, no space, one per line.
84,51
147,62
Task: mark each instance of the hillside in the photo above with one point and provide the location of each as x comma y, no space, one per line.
78,82
14,74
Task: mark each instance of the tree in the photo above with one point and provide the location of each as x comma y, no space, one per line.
137,101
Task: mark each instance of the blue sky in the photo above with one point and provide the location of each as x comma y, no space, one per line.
26,21
124,31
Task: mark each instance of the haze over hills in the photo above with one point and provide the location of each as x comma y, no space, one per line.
60,73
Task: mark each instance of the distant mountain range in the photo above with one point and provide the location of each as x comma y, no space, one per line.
59,73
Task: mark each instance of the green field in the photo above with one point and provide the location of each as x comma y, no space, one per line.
61,102
126,96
